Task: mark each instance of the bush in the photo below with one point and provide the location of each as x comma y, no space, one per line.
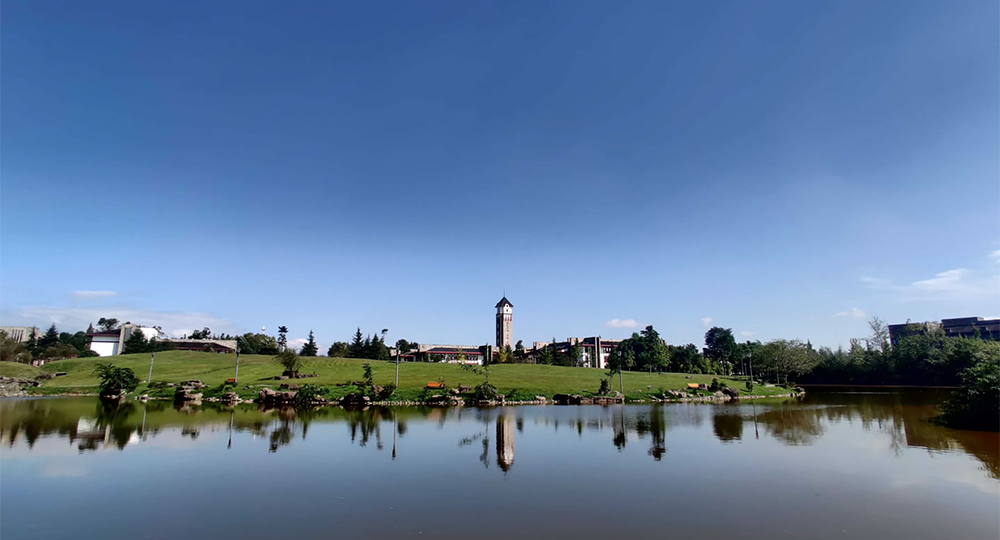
976,404
88,354
115,379
289,360
486,392
749,386
308,393
605,388
714,387
387,391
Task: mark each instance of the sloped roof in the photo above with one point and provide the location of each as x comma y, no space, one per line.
504,302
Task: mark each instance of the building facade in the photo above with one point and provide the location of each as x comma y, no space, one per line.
988,329
505,323
112,342
21,333
594,350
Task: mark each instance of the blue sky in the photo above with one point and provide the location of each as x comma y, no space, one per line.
784,169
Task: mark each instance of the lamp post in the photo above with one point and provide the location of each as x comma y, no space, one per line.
149,377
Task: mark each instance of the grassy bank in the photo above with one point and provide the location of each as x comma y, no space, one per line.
255,370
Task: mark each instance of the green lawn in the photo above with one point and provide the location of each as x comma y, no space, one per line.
214,369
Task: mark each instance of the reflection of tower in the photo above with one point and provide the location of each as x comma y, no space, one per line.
505,442
505,322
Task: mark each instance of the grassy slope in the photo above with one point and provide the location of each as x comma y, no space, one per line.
14,369
213,369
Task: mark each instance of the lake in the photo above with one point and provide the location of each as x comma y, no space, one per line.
840,463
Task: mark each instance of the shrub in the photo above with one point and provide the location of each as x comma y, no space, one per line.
486,392
289,360
749,386
605,387
115,379
367,374
308,393
714,386
723,385
88,354
976,404
387,392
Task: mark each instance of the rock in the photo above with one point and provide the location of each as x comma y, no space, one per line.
561,399
464,389
230,397
675,393
718,395
731,393
454,391
355,400
541,399
286,386
194,383
283,378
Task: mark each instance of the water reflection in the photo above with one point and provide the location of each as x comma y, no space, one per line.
91,425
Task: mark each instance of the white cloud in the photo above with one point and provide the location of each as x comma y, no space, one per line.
857,313
954,284
622,323
88,295
706,321
948,280
297,344
995,256
748,333
73,319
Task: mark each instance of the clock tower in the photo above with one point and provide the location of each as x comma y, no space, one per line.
505,318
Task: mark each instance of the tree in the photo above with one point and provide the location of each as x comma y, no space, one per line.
115,380
136,343
655,354
976,404
11,350
575,353
519,351
251,343
720,346
460,356
77,340
60,350
339,349
507,354
204,333
402,346
107,325
546,357
879,340
282,338
310,348
621,359
289,360
367,374
685,358
785,357
48,339
357,348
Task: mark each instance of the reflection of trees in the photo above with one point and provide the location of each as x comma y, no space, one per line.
727,427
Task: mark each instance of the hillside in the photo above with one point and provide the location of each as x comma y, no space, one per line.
255,370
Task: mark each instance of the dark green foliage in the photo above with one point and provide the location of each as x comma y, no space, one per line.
115,379
251,343
13,351
310,348
357,348
546,356
367,374
387,392
49,338
486,392
976,404
204,333
307,393
88,354
108,324
605,388
721,347
749,386
648,351
60,350
714,386
339,349
289,360
136,343
282,338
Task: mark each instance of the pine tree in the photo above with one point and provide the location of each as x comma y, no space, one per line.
310,348
282,338
357,347
136,343
50,338
90,328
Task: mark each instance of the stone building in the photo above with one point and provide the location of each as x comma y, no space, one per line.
21,333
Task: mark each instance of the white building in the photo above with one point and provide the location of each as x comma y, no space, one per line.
112,343
21,333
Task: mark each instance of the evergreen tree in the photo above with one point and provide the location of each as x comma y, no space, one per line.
90,328
136,343
310,348
545,357
282,338
49,338
357,347
32,344
339,349
366,347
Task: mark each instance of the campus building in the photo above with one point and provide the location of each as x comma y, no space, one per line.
595,350
112,342
505,323
21,333
988,329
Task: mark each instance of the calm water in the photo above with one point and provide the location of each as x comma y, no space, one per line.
835,465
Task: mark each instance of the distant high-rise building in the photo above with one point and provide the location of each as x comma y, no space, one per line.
988,329
505,323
